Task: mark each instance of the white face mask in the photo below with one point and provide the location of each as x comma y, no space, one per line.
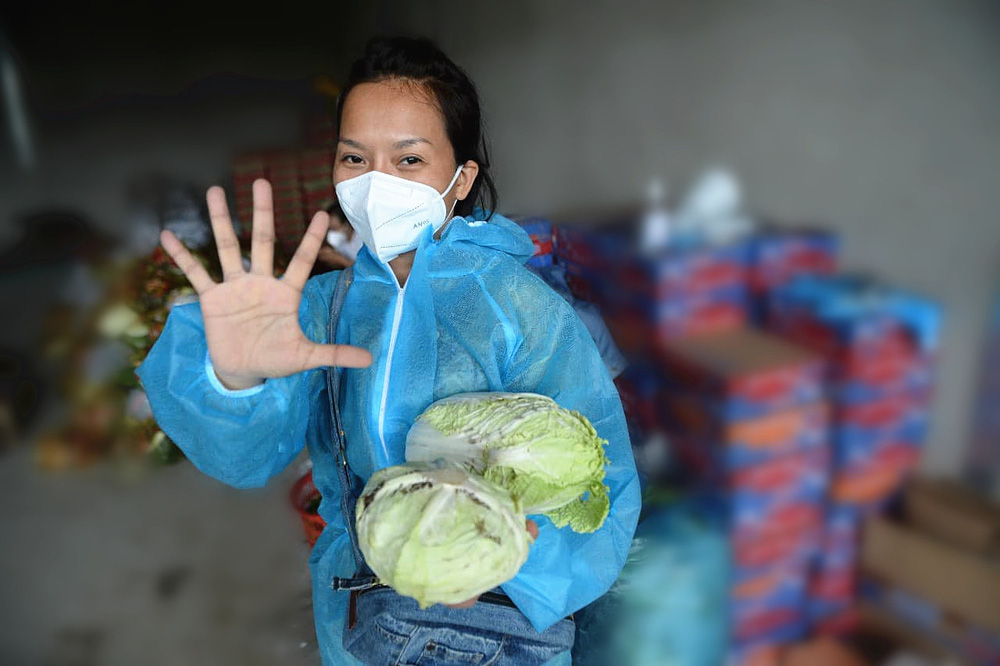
390,213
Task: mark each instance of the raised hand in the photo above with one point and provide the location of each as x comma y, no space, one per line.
252,319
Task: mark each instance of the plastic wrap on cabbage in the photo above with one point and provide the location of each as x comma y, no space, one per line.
549,458
439,534
669,605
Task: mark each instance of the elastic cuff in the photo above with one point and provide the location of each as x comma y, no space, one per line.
213,379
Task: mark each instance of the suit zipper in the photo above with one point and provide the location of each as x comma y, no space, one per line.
388,370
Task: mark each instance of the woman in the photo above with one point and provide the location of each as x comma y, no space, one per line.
437,307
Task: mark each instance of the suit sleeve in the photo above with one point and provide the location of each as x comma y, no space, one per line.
557,357
242,438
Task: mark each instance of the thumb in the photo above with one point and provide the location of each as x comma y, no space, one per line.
342,356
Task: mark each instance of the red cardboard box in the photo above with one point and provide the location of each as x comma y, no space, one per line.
822,652
680,316
751,441
837,622
767,601
782,495
756,653
581,281
540,231
638,387
876,481
743,373
889,413
249,163
846,315
834,585
316,159
857,379
758,550
781,255
580,246
684,273
637,335
864,430
777,625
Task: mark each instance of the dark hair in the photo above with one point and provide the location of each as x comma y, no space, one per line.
333,209
417,59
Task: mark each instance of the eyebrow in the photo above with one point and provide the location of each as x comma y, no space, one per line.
352,144
405,143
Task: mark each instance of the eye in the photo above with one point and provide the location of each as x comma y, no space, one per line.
411,160
351,159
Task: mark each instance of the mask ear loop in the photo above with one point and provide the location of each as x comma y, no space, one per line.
454,179
448,217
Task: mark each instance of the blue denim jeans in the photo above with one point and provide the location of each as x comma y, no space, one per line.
391,629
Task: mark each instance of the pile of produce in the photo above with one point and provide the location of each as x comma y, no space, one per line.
439,534
450,523
97,349
549,458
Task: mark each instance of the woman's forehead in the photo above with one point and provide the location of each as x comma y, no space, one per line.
390,111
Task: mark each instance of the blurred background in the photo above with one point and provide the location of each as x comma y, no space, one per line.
775,217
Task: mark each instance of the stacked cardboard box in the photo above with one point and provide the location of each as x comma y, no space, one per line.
880,347
316,177
878,341
833,579
778,256
755,653
541,233
644,299
933,579
745,415
301,184
286,188
819,651
639,387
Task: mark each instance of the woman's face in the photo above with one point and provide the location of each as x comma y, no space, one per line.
395,127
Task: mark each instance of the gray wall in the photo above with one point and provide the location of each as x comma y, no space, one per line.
84,163
879,119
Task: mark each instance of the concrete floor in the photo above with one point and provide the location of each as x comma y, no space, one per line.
157,567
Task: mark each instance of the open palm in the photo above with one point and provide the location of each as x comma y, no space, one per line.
252,319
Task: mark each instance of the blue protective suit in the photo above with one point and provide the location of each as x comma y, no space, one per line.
471,317
590,315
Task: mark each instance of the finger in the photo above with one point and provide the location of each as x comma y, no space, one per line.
191,267
262,241
532,528
341,356
302,263
225,237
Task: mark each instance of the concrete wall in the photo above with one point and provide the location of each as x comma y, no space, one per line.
879,119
